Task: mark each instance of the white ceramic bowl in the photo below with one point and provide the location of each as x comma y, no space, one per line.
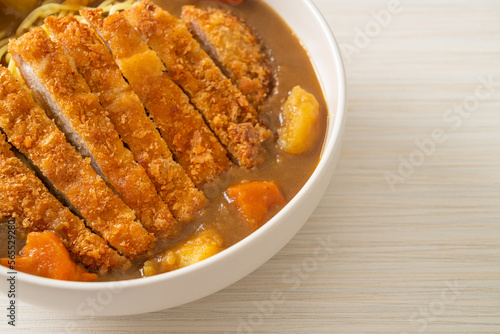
204,278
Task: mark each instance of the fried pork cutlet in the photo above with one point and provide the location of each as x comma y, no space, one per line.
235,47
51,73
36,136
183,128
225,108
25,198
123,107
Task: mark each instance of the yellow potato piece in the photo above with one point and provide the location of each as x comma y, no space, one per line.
196,249
300,115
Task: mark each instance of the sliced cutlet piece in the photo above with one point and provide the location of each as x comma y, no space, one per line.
29,202
232,43
51,73
193,144
225,108
123,107
35,135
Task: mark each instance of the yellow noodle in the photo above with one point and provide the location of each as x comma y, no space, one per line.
107,3
48,8
42,12
3,49
4,45
14,70
117,8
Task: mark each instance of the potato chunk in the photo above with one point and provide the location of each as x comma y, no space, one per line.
300,128
195,249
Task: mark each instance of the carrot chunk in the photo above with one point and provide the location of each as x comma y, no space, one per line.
254,199
45,255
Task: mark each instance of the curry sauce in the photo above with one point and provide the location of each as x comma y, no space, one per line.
290,66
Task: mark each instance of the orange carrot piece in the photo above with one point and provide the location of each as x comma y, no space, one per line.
45,255
254,199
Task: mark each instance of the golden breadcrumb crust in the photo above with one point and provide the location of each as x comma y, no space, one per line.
183,128
225,108
123,107
31,131
25,199
57,72
235,47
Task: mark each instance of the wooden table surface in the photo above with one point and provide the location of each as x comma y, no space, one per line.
413,211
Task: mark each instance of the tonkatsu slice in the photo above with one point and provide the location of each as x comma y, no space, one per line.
227,111
126,112
29,202
51,73
231,42
31,131
193,144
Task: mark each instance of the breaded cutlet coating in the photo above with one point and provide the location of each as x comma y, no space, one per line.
95,62
29,202
227,111
31,131
235,47
193,144
51,73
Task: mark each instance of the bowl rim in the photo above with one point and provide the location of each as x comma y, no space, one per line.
332,141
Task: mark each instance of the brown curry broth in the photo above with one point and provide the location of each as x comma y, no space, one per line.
291,66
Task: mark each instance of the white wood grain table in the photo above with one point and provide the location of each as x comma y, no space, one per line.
413,211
